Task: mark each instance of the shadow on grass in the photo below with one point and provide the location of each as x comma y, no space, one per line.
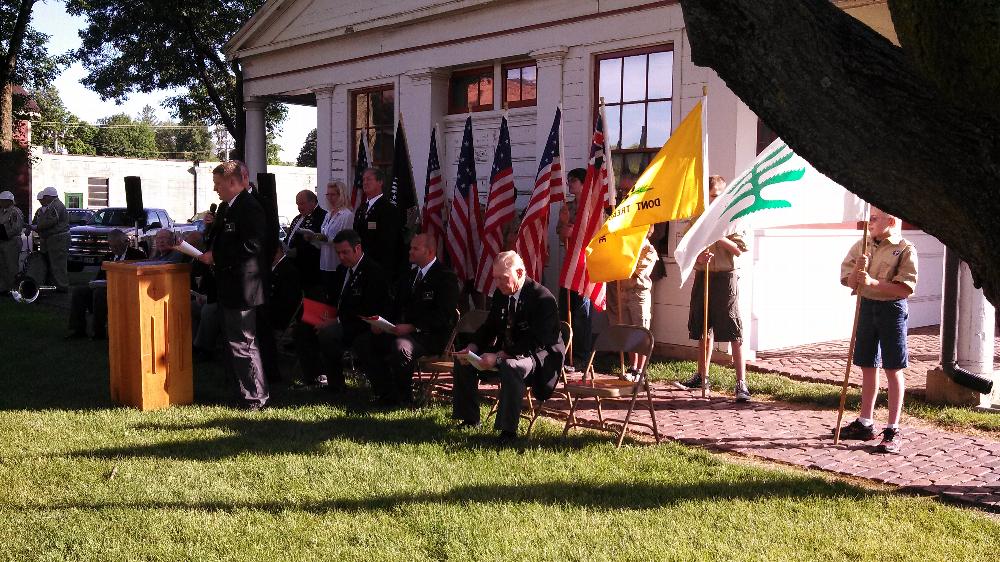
614,495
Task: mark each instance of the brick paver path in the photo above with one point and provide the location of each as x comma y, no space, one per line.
946,464
825,361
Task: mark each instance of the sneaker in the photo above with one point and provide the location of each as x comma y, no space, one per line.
321,381
858,431
892,441
692,383
742,392
630,375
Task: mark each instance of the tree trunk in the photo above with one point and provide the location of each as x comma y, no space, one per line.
852,104
7,67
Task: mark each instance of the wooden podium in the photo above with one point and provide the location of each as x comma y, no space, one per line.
149,334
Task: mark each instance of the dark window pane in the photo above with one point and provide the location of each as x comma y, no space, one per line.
661,74
528,83
610,80
382,111
633,125
765,136
612,128
658,124
634,78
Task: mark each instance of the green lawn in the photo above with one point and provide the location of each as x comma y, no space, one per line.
81,480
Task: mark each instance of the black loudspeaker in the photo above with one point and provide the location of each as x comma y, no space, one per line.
267,192
133,198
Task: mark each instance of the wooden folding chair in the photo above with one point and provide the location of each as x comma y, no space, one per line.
560,392
617,339
430,368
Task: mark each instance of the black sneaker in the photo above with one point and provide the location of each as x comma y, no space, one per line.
692,383
858,431
892,441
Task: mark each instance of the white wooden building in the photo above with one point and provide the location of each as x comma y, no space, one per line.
365,64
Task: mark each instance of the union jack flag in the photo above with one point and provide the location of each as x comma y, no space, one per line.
465,226
499,209
434,193
589,218
357,195
532,236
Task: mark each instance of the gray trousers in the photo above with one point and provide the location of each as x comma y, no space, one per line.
209,326
243,359
9,252
511,373
56,249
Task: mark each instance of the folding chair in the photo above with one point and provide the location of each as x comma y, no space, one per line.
567,334
430,368
626,339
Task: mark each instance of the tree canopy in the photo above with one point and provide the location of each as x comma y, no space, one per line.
146,46
914,129
120,135
307,155
57,128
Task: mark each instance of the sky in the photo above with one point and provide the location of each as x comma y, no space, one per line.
51,18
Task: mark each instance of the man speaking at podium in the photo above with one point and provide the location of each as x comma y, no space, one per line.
237,253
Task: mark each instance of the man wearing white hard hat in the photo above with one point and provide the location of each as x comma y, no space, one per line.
11,225
52,225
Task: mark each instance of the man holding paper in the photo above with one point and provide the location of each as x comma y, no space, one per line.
424,311
359,289
520,339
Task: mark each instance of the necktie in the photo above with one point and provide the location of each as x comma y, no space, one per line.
420,277
509,331
347,283
364,211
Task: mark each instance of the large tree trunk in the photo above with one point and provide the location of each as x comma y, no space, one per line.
854,106
7,67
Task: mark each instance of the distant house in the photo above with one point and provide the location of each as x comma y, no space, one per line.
365,65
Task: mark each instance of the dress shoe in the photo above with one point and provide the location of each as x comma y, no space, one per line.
255,407
468,424
506,439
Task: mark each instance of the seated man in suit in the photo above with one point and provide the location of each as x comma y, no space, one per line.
94,298
359,288
520,339
424,317
164,248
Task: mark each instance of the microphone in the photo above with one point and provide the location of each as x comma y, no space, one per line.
212,208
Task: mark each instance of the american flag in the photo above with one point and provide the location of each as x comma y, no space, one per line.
499,209
465,227
532,236
433,220
357,195
589,218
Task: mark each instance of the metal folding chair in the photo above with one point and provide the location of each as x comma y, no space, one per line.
430,368
617,339
560,392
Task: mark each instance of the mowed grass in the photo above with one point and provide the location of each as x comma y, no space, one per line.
782,388
310,480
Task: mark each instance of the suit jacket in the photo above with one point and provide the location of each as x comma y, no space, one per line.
366,295
238,249
131,254
306,255
285,293
534,333
429,305
380,228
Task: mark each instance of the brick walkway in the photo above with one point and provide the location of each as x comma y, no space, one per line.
950,465
825,362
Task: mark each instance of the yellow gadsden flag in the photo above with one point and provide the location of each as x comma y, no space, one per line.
672,187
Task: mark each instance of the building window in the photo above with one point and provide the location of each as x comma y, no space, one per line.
471,90
373,115
637,87
97,192
74,200
520,84
765,136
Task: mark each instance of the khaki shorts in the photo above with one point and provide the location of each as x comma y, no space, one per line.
723,306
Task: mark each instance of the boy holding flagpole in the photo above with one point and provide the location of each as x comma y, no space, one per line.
724,324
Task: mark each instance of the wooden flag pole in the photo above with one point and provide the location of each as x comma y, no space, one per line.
707,351
854,337
569,320
618,314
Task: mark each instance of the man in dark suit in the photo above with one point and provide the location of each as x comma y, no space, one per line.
520,339
237,252
424,313
304,255
378,222
359,287
94,298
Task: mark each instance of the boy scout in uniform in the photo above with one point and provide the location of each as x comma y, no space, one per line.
885,278
11,225
52,224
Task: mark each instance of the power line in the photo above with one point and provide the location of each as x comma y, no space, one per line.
83,124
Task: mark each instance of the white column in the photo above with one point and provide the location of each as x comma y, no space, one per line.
549,93
255,144
976,326
324,138
423,102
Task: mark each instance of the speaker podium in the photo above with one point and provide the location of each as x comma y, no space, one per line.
149,334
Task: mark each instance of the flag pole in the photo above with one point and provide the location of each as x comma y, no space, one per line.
706,349
854,337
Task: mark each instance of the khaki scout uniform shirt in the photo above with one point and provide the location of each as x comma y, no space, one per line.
642,277
893,260
52,219
12,221
723,260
